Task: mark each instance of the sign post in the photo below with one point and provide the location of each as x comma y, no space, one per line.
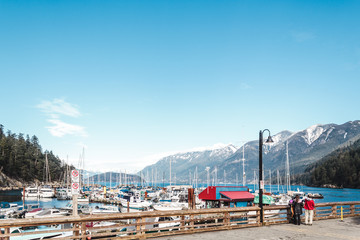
75,190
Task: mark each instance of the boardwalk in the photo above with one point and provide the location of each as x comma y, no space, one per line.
332,229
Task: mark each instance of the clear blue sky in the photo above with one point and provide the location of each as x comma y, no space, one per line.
131,80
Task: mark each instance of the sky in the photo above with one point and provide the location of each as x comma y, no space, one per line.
133,81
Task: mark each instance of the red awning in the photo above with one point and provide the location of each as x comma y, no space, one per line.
238,195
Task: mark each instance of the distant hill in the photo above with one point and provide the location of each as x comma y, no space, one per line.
305,147
22,160
340,168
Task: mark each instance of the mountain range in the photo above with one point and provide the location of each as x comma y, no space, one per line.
225,163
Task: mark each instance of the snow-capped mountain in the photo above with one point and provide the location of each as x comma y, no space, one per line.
305,147
185,163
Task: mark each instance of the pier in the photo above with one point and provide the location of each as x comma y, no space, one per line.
144,225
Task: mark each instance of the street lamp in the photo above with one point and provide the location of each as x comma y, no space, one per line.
261,183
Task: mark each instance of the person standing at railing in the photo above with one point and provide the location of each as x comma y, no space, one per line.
298,205
309,210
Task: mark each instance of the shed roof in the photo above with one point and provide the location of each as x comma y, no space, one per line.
238,195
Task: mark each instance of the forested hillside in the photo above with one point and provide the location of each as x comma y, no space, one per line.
340,168
22,158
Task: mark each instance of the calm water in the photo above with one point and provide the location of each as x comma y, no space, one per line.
330,195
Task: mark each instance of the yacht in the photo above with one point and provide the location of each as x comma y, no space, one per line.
46,192
32,192
61,194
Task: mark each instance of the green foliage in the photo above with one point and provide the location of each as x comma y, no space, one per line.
340,168
22,158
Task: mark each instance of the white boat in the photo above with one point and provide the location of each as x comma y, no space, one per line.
83,200
61,194
135,204
82,208
33,212
46,192
44,213
105,209
297,192
32,192
34,230
169,206
8,208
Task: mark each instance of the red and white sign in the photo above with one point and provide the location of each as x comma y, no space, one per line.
75,176
75,188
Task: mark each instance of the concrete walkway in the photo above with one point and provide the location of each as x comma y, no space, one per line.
324,230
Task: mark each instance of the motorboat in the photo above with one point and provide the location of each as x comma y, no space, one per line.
8,208
44,213
46,192
105,209
135,204
32,192
315,195
32,233
62,194
82,208
83,200
169,206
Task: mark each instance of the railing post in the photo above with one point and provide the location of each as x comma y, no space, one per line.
182,224
333,211
76,229
192,221
289,214
314,217
83,230
138,226
258,217
7,231
227,218
352,209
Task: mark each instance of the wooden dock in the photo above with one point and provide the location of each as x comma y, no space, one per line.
142,225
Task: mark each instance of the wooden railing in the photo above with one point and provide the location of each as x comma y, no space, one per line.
144,225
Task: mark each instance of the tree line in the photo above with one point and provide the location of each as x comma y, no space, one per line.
340,168
22,158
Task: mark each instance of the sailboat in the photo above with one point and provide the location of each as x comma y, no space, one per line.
46,191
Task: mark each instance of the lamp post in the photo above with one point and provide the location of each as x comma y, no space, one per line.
261,183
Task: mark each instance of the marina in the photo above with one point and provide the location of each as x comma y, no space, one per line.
117,213
152,224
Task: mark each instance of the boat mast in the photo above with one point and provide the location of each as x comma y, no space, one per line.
47,170
196,178
254,180
243,166
270,179
208,178
170,173
287,166
278,179
110,180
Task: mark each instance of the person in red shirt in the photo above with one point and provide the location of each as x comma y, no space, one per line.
309,210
